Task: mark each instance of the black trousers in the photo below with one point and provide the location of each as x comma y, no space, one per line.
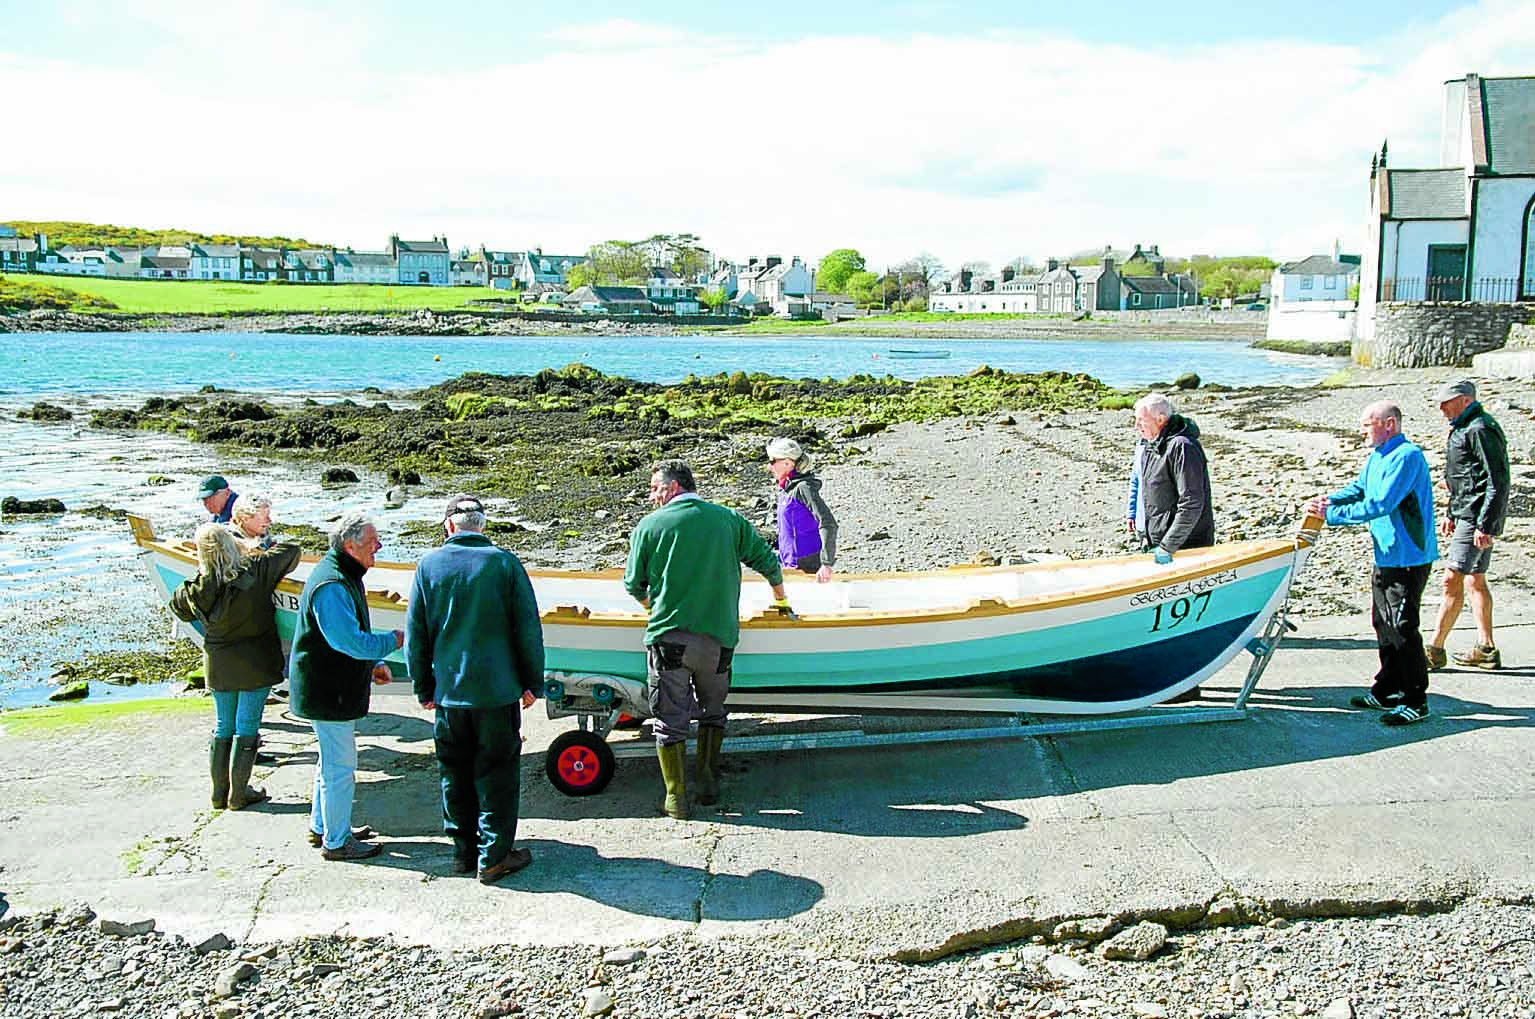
479,757
1398,594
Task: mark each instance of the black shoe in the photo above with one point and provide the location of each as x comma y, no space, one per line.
1370,702
351,849
511,864
1404,714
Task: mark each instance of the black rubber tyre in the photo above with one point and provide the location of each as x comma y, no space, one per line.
580,763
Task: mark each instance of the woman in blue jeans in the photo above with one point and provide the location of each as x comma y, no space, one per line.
231,597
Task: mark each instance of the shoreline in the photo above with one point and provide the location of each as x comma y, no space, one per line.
1195,324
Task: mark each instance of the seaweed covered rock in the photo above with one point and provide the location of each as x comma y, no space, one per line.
338,476
45,412
12,506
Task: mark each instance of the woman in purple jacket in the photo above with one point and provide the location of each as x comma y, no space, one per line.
807,532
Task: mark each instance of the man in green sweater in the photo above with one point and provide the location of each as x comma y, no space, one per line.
685,564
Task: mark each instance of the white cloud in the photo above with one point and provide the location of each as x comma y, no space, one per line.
971,147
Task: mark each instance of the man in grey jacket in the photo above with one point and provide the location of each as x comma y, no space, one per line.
1174,481
475,650
1477,475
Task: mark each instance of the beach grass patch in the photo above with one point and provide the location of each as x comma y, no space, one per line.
46,721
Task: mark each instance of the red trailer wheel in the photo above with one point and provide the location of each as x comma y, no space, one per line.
579,763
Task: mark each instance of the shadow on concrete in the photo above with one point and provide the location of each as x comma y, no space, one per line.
1329,644
634,884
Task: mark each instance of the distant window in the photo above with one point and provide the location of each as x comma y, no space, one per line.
1135,300
1330,283
1305,282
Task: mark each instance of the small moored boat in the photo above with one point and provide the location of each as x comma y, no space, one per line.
915,354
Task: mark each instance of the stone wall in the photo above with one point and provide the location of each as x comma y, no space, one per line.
1418,335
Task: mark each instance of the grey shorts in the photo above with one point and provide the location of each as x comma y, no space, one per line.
1464,556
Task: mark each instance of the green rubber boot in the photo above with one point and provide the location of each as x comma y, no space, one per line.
706,773
219,750
673,758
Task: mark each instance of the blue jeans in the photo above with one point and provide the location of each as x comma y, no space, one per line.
335,777
238,712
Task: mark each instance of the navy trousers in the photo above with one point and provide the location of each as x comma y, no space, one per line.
479,756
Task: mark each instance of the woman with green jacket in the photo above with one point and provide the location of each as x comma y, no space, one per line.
231,597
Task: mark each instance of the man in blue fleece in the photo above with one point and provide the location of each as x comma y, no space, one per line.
475,650
1394,496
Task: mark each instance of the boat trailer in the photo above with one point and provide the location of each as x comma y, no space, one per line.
582,762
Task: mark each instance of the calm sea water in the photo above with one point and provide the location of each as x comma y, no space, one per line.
41,364
72,584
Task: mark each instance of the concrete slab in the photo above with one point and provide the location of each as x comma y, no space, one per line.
910,851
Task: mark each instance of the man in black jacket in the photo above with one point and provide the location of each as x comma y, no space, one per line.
1174,480
1477,475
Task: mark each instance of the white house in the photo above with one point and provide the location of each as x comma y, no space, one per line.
468,272
365,267
1464,230
1310,299
215,261
535,267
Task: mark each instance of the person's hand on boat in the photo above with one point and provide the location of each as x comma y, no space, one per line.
823,575
399,638
382,675
781,603
1317,507
1162,556
528,697
429,705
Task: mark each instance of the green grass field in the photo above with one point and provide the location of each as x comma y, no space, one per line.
216,296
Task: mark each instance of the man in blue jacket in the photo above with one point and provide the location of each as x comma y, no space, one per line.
475,650
1394,497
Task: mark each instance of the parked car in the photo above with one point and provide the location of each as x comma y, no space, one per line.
1257,306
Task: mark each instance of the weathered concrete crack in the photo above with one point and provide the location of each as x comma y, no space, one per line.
714,837
261,894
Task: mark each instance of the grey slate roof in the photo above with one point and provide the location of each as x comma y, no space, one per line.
1427,194
424,247
1150,284
1318,265
1509,107
361,259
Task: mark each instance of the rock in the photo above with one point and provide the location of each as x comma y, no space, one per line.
879,535
1188,380
596,1001
130,929
78,914
338,476
230,979
121,679
1224,912
1150,1010
396,476
394,498
859,429
30,507
112,1005
601,514
316,971
159,480
217,943
78,690
46,412
10,946
1338,1008
1136,944
226,1012
1064,967
1007,419
1091,928
496,1008
1237,984
623,956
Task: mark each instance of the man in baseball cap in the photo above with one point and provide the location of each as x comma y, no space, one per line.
1477,475
217,498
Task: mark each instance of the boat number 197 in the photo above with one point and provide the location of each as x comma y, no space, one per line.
1171,614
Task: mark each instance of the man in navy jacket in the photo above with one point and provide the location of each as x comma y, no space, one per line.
1395,498
475,650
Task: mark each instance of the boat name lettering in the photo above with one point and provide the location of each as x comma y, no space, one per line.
285,601
1197,585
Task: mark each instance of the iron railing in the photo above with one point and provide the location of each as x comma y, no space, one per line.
1490,289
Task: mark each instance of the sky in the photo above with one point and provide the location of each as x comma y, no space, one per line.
971,131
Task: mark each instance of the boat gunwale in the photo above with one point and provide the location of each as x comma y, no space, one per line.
1241,554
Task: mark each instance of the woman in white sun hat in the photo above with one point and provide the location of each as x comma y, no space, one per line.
807,531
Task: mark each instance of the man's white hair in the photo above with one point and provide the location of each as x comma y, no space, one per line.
1156,405
350,527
